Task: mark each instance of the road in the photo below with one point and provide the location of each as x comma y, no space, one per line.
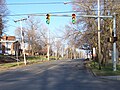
55,75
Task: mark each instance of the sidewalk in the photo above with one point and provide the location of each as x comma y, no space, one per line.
110,77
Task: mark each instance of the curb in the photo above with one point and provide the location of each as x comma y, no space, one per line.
90,70
110,77
103,77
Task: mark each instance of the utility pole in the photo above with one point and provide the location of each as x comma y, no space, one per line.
99,45
22,36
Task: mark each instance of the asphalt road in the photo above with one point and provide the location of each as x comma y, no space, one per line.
55,75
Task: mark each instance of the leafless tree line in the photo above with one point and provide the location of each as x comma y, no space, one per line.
87,27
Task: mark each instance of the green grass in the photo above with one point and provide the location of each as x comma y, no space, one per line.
36,58
7,66
30,60
106,70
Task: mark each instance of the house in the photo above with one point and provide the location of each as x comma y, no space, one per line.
6,44
16,48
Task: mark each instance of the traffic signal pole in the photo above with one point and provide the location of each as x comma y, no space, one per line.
48,46
48,41
114,43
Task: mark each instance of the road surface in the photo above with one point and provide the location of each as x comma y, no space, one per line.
55,75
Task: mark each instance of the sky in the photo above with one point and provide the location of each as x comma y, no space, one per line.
55,22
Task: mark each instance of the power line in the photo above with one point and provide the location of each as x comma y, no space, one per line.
33,3
30,3
44,14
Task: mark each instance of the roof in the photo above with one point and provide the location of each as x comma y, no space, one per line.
9,38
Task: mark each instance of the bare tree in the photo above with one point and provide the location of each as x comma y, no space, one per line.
107,7
3,13
35,34
72,36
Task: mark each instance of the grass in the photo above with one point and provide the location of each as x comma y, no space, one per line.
7,66
30,60
106,70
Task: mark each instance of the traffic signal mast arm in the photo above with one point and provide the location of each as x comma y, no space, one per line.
73,16
62,15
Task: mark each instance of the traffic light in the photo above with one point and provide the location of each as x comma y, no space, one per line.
48,19
73,18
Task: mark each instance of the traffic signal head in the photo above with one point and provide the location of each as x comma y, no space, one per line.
48,19
73,18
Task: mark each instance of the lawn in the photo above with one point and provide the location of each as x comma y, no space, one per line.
6,64
105,71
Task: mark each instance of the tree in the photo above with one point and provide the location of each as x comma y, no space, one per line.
34,35
3,13
72,35
107,7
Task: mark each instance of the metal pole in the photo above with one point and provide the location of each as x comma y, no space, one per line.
62,51
48,46
17,49
23,44
99,46
114,44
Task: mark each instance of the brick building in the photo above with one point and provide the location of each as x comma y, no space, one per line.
6,44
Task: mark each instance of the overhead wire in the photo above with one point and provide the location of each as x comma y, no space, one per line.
34,3
55,13
69,2
31,3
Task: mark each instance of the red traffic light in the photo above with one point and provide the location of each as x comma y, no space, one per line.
73,15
